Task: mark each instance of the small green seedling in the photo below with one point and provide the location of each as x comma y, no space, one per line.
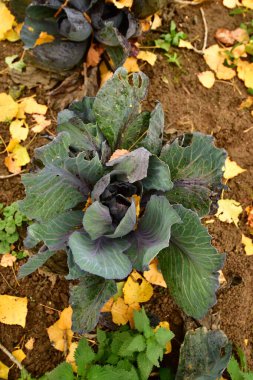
237,368
10,219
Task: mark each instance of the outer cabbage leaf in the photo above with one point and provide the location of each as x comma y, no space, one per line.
79,108
158,176
54,152
144,8
34,262
55,232
190,265
153,232
196,170
97,220
203,355
103,257
87,299
135,130
89,171
117,104
75,272
153,140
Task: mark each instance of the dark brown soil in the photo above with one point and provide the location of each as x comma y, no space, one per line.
188,107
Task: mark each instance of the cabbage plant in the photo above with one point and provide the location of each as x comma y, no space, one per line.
57,33
113,196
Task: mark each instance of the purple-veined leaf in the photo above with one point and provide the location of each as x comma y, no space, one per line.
97,220
158,176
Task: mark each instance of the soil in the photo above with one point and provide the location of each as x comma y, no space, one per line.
188,107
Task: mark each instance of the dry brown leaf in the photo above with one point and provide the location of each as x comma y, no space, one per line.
137,289
207,79
19,355
44,38
232,169
131,65
229,211
30,344
60,333
41,123
147,56
7,260
118,153
8,107
94,55
13,310
153,275
248,245
224,36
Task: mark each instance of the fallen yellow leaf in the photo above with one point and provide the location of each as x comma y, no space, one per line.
7,20
232,169
245,72
119,312
130,313
215,58
12,35
107,306
41,123
19,355
7,260
131,65
19,157
153,275
71,356
105,74
248,245
4,371
147,56
44,38
60,333
247,4
166,326
29,344
13,310
19,130
157,22
185,44
229,211
121,3
230,3
207,79
137,289
247,103
8,107
11,145
31,106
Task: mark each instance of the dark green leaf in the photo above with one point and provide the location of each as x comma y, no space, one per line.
153,140
108,372
83,355
131,345
158,177
62,371
87,299
54,152
234,370
75,27
34,262
154,351
163,336
89,171
103,257
123,97
135,130
196,170
153,231
141,323
74,271
144,8
190,265
145,366
203,355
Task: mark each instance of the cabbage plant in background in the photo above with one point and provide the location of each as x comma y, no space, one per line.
58,33
113,196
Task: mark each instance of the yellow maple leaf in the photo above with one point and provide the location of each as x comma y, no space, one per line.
247,4
8,107
147,56
7,260
44,38
131,65
121,3
137,289
19,130
215,57
232,169
119,312
17,158
7,20
60,333
30,106
13,310
19,355
207,79
248,245
41,123
229,211
4,371
153,275
71,356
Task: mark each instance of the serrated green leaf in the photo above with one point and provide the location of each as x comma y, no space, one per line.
103,257
123,97
118,338
163,336
153,139
34,262
62,371
108,372
145,366
203,355
153,232
234,370
131,345
190,265
87,299
154,351
158,176
196,170
83,355
141,323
